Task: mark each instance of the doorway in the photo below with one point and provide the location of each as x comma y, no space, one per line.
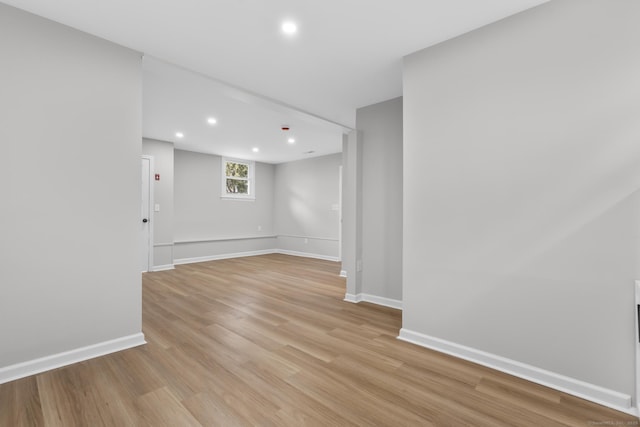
146,213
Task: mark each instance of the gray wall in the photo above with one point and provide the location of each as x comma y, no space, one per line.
162,153
307,205
380,128
70,114
521,154
200,213
352,214
221,248
204,226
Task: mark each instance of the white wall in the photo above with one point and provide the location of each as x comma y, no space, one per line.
380,129
162,153
70,114
352,214
204,226
307,215
521,160
201,215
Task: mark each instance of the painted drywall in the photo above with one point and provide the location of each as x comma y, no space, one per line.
162,153
194,251
521,154
70,115
307,205
380,128
201,214
207,227
352,213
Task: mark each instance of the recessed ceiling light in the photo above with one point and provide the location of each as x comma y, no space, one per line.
179,135
255,149
212,121
291,140
289,27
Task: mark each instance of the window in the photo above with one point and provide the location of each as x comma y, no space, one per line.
237,179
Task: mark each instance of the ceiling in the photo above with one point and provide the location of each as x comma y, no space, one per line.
346,54
177,100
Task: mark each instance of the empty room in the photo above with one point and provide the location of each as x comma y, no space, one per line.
284,213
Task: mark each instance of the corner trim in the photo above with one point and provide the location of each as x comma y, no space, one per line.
221,256
353,298
637,347
374,299
36,366
307,255
610,398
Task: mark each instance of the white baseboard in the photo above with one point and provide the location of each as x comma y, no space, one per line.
387,302
222,256
591,392
252,253
307,255
352,298
373,299
36,366
343,273
163,267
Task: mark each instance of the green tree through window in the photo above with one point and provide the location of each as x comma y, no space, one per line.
237,178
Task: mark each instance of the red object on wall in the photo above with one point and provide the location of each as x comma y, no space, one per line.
157,177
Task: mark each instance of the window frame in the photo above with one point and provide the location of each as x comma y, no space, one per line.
251,165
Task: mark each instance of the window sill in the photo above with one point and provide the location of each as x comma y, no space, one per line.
240,199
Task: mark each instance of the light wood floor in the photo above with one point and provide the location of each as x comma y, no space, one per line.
268,341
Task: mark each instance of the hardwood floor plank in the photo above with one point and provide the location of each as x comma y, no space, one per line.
362,406
134,372
293,405
84,394
213,411
162,408
20,404
269,341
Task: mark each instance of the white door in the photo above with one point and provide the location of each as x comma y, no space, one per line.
145,217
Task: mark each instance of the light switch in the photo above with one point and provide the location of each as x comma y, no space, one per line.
156,208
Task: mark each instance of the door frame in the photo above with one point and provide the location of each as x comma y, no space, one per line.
151,210
636,310
340,213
